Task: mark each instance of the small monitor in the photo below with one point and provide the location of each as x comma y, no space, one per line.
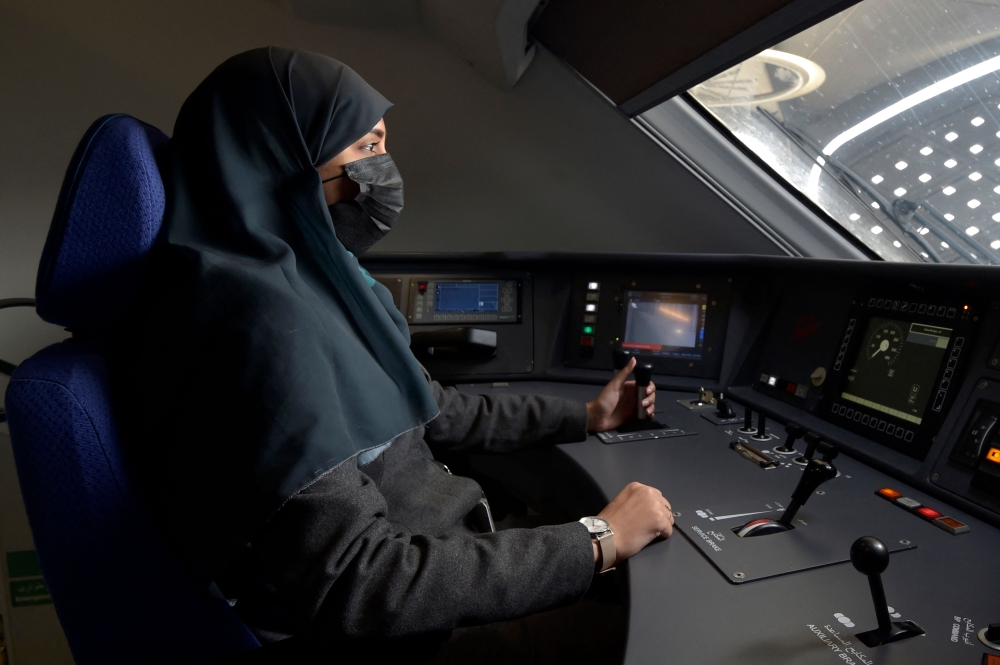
896,368
467,298
667,324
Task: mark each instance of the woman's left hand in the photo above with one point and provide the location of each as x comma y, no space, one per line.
617,402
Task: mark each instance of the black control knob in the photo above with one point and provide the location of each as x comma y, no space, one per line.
643,376
747,422
993,633
870,557
723,408
815,474
812,440
794,431
761,434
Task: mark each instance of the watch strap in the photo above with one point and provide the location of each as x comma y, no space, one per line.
609,554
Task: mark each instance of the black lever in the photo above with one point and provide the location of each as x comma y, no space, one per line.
794,431
455,343
870,557
812,440
747,422
761,434
643,376
816,473
723,408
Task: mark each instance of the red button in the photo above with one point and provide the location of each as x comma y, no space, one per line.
928,513
990,659
586,341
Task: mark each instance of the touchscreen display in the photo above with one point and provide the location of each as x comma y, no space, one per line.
667,324
896,367
467,297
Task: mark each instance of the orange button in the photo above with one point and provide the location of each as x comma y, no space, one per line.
993,455
990,659
888,493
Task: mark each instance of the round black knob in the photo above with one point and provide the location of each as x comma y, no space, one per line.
869,555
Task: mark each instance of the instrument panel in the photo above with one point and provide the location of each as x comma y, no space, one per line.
895,368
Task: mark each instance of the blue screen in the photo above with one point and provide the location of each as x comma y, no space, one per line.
462,298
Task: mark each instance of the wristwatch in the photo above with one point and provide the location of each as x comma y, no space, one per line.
601,533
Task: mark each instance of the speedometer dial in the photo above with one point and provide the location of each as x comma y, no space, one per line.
884,344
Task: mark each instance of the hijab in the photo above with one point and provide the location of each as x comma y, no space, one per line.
264,357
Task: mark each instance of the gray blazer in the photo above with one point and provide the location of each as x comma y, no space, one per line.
383,550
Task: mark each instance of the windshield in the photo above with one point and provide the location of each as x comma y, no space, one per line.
887,116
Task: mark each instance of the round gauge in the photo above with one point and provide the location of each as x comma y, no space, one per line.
884,343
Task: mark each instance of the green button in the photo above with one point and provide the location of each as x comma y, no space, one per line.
588,330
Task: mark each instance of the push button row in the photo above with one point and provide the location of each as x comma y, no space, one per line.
949,524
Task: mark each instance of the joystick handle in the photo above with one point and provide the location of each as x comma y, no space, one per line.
812,440
723,408
870,557
794,431
643,376
761,433
815,474
747,421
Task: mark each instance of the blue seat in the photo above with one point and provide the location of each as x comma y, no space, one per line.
121,593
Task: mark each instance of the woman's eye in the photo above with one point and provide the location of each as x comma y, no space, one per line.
370,147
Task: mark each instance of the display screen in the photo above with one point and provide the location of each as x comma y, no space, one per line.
667,324
896,367
467,297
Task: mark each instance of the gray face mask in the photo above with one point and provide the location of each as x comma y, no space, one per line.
362,222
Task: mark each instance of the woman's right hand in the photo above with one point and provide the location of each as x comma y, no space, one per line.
638,515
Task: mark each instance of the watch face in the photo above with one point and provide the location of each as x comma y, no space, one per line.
595,524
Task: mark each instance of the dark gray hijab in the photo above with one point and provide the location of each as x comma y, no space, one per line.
263,359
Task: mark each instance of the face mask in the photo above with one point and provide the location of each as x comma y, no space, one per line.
361,223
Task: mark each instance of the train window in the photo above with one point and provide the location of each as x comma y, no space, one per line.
886,116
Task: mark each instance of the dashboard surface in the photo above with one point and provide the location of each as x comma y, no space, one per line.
894,372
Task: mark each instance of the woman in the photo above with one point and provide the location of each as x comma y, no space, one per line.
283,427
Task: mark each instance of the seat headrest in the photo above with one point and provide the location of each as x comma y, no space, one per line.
109,213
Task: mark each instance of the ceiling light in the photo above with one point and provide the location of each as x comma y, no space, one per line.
876,230
974,203
926,150
908,102
995,244
996,217
924,177
949,190
896,243
923,231
976,149
950,217
876,205
944,245
972,230
924,254
877,179
899,191
950,136
855,216
975,175
901,165
977,121
951,163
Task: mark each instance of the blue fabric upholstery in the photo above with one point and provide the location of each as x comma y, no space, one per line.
121,593
108,215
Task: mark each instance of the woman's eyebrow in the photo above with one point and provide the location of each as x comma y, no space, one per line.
378,132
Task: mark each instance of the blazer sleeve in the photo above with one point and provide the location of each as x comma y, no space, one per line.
503,423
332,561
